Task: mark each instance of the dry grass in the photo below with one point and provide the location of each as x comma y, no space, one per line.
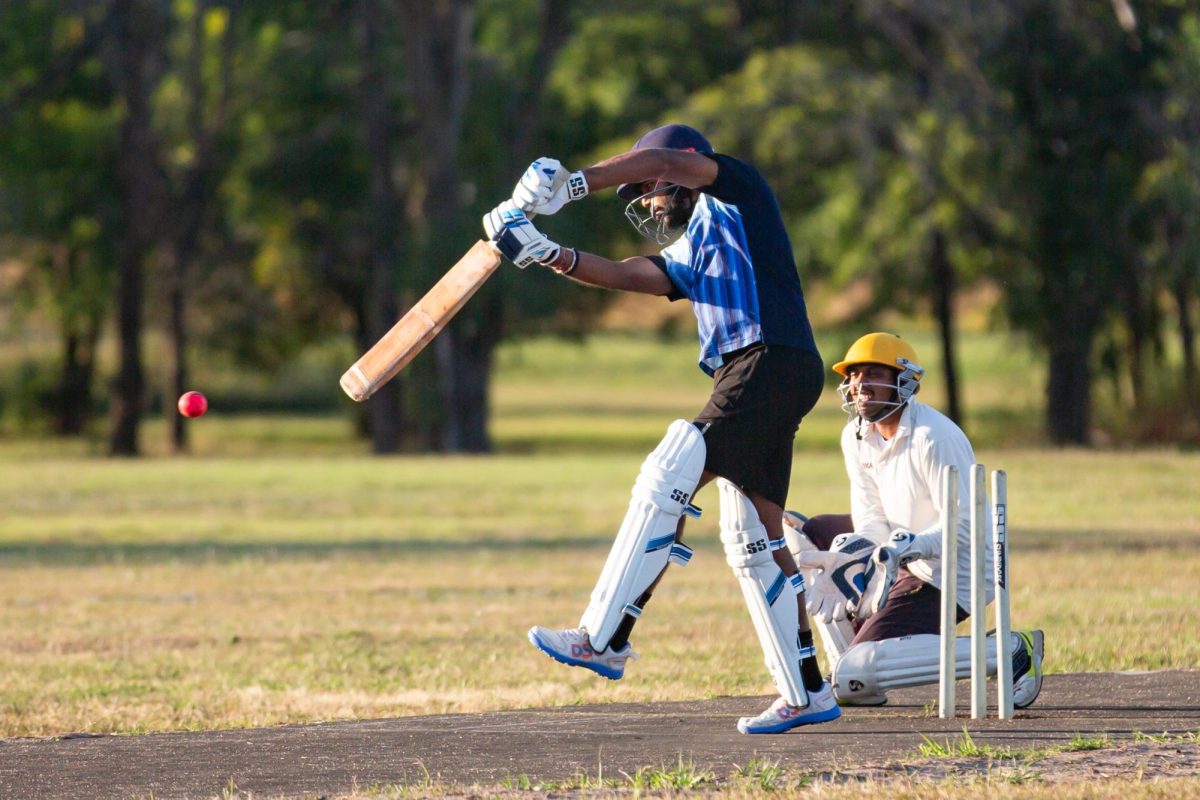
281,576
205,593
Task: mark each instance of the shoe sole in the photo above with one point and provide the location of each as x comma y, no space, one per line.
599,669
807,719
1035,666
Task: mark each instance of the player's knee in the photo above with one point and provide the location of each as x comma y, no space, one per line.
745,538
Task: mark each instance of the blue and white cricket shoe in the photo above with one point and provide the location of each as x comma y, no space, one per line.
572,647
783,716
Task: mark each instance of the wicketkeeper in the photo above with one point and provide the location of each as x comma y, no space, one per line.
874,574
733,260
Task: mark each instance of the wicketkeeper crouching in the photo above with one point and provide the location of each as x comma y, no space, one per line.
733,260
873,575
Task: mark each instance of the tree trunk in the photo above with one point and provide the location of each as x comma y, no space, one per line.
177,329
75,386
465,361
942,272
1136,355
81,312
1187,334
382,307
1068,389
138,30
205,124
437,49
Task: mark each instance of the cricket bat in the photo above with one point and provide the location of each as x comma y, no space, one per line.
421,323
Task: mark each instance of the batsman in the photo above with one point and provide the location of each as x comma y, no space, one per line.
725,249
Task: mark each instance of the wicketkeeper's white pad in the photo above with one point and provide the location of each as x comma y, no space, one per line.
836,634
645,544
871,668
770,595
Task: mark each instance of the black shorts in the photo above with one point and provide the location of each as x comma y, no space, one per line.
913,607
749,424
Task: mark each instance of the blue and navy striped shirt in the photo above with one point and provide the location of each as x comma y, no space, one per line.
735,264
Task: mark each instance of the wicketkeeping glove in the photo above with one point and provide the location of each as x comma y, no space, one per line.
886,561
835,592
517,238
547,186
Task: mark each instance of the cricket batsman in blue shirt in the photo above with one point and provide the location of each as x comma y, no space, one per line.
726,250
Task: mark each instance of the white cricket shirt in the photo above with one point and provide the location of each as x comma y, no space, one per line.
896,485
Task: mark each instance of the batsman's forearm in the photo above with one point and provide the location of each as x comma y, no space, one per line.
638,166
632,275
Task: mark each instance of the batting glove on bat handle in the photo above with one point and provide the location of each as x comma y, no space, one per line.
516,238
547,186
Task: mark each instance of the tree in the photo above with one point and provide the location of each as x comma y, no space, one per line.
1076,83
204,59
57,182
133,59
383,255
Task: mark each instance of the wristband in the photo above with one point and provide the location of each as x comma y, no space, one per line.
574,262
577,186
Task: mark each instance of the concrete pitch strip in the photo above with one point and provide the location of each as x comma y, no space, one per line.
557,744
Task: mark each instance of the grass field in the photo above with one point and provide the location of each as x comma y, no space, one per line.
279,574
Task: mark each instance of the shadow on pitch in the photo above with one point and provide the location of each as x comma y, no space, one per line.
213,550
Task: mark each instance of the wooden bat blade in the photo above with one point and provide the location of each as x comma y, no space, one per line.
421,323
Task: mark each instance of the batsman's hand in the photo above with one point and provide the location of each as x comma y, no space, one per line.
547,186
838,577
886,562
517,238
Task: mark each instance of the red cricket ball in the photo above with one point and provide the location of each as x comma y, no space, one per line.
192,404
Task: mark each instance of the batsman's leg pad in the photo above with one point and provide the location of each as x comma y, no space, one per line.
871,668
646,543
770,595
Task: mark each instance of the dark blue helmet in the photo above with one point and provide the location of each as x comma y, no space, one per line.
673,137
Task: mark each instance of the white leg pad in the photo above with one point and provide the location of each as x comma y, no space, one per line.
871,668
837,634
770,595
645,543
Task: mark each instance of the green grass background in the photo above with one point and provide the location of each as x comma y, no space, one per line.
281,574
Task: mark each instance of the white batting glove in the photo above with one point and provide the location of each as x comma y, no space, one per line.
886,561
516,238
547,186
835,587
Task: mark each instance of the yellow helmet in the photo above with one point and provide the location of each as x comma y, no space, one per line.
887,350
879,348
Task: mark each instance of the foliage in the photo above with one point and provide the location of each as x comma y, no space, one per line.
1046,148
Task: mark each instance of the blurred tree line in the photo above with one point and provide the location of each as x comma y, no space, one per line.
251,177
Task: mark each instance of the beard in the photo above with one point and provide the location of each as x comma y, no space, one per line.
679,207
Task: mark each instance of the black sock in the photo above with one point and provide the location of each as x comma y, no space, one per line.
625,627
621,637
809,669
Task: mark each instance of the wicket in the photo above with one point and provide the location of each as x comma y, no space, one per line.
948,670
